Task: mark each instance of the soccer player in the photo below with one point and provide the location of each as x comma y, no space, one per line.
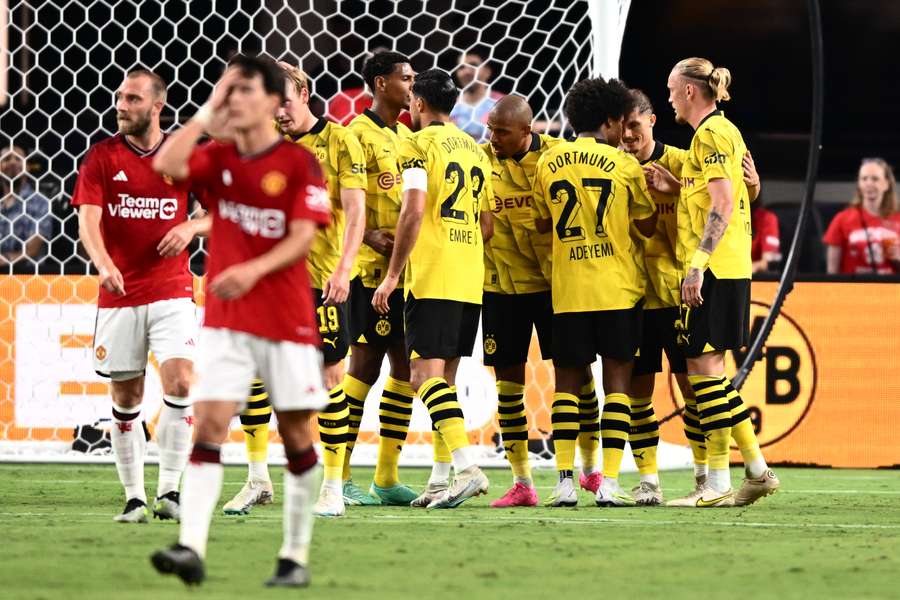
713,249
134,225
331,262
517,295
439,241
588,193
267,198
389,76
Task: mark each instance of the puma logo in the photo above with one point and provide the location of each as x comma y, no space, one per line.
250,432
331,449
638,455
510,448
332,342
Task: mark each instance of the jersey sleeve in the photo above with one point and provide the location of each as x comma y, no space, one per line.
411,155
674,159
200,165
539,208
641,204
89,186
351,165
310,202
715,155
834,235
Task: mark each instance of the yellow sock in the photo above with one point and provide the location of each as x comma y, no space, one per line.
743,433
643,437
393,416
333,434
614,425
565,419
355,392
514,426
588,427
441,451
692,430
715,418
445,412
255,423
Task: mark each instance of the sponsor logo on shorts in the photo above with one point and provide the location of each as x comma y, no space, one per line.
273,183
100,353
132,207
383,327
490,345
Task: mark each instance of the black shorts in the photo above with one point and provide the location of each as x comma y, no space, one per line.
580,336
369,327
658,336
334,328
440,328
506,324
722,322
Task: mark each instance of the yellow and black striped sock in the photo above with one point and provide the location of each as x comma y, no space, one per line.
355,391
643,437
255,423
614,425
445,412
692,431
715,418
565,418
743,433
333,434
514,427
394,413
589,427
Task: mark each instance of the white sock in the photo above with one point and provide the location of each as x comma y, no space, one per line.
201,490
462,459
258,471
756,467
298,518
128,443
173,434
440,472
720,480
610,483
651,478
526,481
700,470
335,485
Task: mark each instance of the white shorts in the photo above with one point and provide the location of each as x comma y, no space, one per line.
123,336
228,361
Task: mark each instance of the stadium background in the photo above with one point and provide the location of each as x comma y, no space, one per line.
67,58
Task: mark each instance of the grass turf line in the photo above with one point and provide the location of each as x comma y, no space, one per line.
840,540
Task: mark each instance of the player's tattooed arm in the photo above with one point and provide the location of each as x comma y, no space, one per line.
720,209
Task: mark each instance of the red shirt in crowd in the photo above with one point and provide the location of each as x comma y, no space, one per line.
765,234
139,208
252,200
346,104
855,231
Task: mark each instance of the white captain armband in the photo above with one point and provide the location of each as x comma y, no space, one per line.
415,179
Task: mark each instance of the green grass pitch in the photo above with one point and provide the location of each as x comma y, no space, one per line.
828,533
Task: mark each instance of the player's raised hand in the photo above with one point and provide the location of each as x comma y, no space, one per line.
337,288
380,241
111,280
176,240
235,281
751,176
383,293
661,179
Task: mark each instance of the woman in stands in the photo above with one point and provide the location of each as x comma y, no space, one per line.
865,237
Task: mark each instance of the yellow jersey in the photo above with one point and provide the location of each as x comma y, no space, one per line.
384,190
716,152
447,261
663,271
517,257
344,167
591,192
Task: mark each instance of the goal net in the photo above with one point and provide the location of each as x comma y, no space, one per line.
66,59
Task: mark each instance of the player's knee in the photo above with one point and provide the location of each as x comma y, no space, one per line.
127,393
365,365
295,432
211,430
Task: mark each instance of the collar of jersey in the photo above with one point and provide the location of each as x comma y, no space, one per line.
658,150
589,140
317,128
377,120
534,147
441,123
140,151
714,113
263,152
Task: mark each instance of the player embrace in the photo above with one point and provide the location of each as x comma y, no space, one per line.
267,200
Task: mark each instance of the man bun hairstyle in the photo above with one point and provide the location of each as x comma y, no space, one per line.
712,81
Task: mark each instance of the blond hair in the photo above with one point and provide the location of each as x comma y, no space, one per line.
297,76
888,204
713,81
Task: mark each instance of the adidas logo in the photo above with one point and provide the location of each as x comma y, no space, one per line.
120,176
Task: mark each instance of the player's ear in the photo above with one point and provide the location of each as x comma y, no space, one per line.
652,119
304,95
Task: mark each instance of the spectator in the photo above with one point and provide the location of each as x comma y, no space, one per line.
25,221
865,237
766,245
470,114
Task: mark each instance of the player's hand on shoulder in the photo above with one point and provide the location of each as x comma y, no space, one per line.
176,240
383,293
337,288
380,241
111,279
660,179
235,281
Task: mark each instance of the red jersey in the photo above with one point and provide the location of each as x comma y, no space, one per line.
346,104
252,200
139,208
848,232
765,234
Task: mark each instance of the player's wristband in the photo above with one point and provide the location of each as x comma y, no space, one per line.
204,115
700,260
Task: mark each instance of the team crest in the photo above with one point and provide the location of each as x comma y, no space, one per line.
273,183
490,345
383,327
100,353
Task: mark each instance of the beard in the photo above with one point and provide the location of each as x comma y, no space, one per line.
137,125
680,120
